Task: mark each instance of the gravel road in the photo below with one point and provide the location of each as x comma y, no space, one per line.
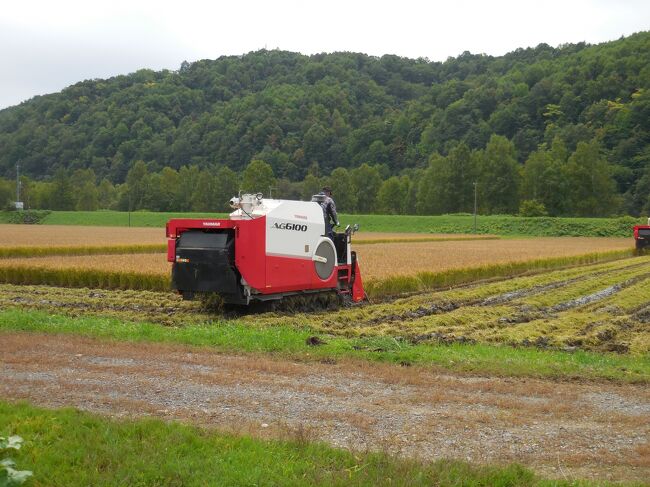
570,430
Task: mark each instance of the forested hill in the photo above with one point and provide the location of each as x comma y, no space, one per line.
341,110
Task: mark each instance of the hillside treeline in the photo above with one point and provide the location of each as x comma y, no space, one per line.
553,181
307,116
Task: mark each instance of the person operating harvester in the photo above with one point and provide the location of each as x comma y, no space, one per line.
329,212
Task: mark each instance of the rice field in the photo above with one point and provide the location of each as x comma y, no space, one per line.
32,236
404,259
379,261
604,307
394,264
75,236
151,263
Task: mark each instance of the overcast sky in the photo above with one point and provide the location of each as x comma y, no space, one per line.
48,45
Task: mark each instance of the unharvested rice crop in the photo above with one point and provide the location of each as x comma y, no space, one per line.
20,241
155,263
378,261
74,236
79,236
402,259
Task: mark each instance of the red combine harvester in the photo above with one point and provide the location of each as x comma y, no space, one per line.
266,250
642,236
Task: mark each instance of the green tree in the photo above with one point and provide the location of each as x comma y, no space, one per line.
7,193
545,180
188,177
461,174
170,185
311,185
106,194
499,177
592,188
432,194
343,190
136,183
530,208
203,197
366,182
87,196
36,194
391,196
226,185
258,177
62,195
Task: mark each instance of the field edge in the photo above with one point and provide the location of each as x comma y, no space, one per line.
288,342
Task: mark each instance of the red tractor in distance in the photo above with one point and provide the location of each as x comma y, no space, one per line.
642,236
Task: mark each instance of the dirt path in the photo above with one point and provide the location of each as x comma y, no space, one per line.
572,430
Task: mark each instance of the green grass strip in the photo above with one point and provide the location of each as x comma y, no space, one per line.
7,252
426,281
66,447
90,278
290,342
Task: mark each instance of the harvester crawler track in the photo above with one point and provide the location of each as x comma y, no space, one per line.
296,303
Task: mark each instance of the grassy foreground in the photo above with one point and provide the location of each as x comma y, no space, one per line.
71,448
492,224
291,342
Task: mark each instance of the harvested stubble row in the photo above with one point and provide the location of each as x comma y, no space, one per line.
603,307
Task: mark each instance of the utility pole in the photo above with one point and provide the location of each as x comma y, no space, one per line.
475,205
19,204
18,181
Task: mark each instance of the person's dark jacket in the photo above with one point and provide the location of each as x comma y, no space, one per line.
329,210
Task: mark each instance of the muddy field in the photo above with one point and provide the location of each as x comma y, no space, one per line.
589,430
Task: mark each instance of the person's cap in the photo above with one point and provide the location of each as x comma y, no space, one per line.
327,189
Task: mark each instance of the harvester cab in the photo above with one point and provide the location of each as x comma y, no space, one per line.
642,236
266,250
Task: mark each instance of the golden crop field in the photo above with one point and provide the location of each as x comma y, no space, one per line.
79,236
75,236
393,259
378,261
